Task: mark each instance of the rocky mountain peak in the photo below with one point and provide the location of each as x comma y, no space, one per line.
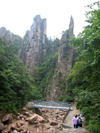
71,27
5,33
34,45
38,29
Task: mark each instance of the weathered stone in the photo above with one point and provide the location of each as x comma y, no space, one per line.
21,116
18,124
1,127
6,131
65,126
5,126
27,113
7,118
33,119
48,127
15,131
24,109
36,118
24,130
53,123
51,130
27,119
59,127
18,118
34,46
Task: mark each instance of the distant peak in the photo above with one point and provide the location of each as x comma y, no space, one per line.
71,18
37,16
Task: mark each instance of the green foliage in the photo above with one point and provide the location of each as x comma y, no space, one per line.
45,72
85,77
61,84
16,85
52,46
46,69
17,41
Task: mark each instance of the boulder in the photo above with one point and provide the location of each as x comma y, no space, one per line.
15,131
53,123
23,129
13,126
18,124
17,118
65,126
24,109
7,118
27,114
33,119
1,127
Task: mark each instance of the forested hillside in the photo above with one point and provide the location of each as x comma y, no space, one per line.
16,84
84,81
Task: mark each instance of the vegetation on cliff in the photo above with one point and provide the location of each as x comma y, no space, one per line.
16,84
45,71
85,77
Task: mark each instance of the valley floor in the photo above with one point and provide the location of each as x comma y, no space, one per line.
50,121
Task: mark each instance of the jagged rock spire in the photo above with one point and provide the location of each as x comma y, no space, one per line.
34,46
71,27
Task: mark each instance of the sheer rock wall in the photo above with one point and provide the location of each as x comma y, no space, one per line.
58,84
33,49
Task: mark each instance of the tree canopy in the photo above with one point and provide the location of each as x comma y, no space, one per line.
16,84
85,77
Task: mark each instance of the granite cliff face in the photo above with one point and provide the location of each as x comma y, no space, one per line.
58,84
33,49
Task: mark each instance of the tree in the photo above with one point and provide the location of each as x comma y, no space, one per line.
16,84
85,76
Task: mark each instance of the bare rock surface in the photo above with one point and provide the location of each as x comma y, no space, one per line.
34,44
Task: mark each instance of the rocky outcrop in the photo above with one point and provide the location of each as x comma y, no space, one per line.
71,27
5,33
58,84
34,44
15,39
10,36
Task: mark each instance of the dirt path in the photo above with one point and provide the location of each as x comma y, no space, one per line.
69,122
69,118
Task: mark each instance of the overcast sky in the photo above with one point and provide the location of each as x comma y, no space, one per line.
17,15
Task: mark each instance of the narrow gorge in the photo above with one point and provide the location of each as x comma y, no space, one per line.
35,47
